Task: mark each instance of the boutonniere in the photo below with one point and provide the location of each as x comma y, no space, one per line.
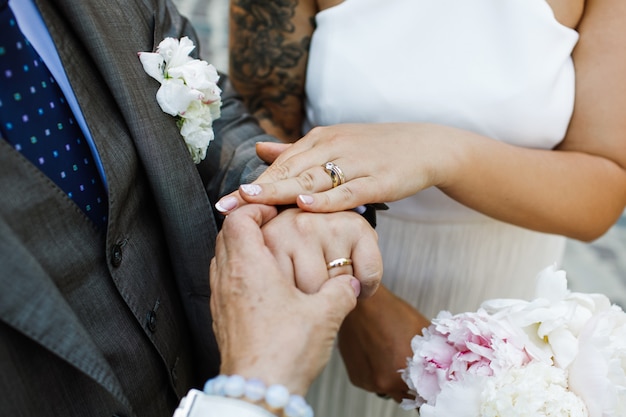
188,91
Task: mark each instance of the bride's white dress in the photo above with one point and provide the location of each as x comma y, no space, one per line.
501,68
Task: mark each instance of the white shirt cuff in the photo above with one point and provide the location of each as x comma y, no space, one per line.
198,404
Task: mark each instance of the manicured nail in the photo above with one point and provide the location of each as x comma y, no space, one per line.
306,199
356,286
226,204
251,189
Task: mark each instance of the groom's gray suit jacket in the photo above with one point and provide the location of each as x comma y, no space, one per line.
115,323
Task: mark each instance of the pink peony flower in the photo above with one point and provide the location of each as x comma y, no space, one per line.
454,347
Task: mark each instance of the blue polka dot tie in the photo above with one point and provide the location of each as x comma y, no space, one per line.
36,119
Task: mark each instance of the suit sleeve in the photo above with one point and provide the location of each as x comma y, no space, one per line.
231,158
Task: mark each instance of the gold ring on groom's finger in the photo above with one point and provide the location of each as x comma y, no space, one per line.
336,174
339,262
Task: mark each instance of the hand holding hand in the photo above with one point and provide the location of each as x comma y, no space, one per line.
378,162
265,327
304,243
375,342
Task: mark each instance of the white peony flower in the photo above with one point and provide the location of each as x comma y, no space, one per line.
456,349
537,389
562,354
598,374
457,399
553,320
188,91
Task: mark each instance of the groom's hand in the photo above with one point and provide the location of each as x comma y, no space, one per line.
304,243
265,327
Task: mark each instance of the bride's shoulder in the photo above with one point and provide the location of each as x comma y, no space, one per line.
327,4
568,12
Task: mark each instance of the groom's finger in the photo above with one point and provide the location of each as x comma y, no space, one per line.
340,294
269,151
244,226
241,239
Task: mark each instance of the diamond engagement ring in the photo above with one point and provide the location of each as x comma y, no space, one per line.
336,174
339,262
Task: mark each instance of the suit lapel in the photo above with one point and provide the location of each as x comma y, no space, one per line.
31,304
118,100
184,207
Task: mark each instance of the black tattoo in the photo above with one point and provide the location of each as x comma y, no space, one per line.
261,54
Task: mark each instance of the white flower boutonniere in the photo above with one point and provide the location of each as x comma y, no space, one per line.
188,91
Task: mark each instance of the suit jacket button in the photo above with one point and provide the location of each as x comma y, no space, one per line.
116,255
151,320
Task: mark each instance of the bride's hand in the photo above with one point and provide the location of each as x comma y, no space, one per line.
377,163
375,342
304,243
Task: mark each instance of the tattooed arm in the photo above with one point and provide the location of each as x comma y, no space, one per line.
269,45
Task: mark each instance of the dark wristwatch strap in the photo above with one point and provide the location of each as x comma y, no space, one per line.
370,212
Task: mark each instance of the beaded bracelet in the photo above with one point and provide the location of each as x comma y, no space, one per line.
276,397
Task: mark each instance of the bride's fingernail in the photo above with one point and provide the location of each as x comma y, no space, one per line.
305,199
226,204
251,189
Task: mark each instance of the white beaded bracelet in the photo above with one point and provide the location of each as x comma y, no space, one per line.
275,396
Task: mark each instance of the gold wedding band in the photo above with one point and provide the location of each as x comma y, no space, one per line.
339,262
336,174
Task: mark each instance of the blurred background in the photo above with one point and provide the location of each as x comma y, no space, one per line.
591,267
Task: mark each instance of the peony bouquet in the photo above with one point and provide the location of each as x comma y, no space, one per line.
562,354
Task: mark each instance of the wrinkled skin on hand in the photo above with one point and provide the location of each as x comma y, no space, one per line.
265,326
